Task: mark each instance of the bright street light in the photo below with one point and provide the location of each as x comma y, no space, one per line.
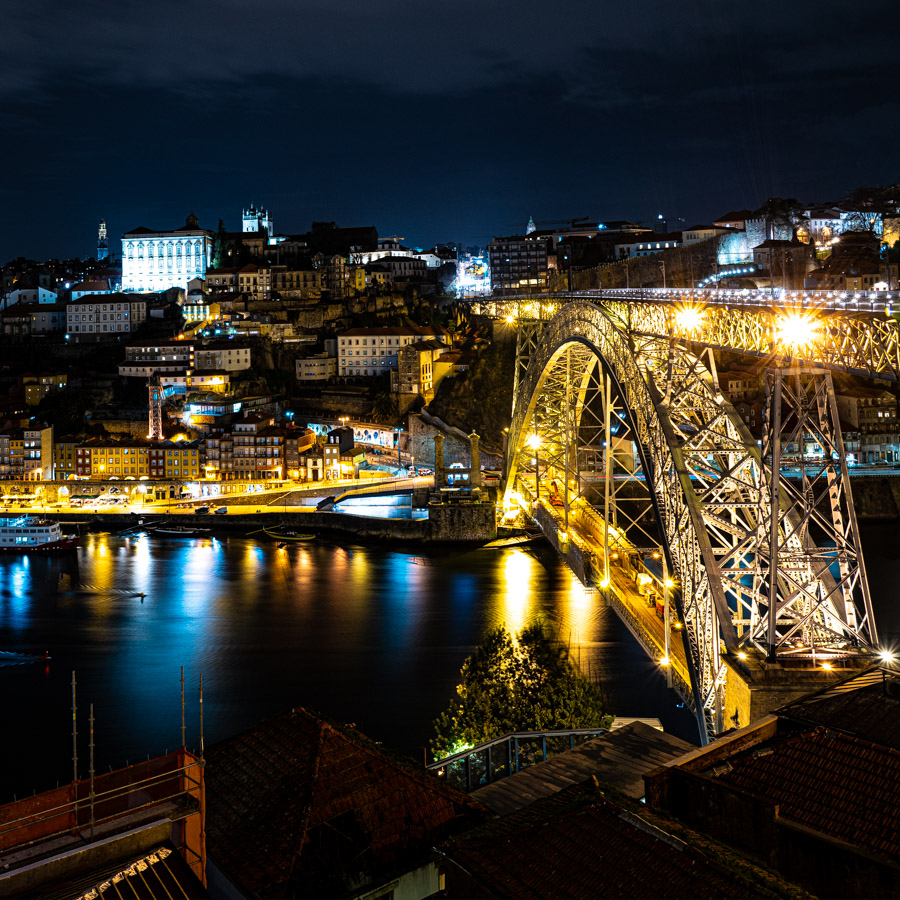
689,318
795,331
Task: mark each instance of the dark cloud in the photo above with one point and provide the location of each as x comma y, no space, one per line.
437,121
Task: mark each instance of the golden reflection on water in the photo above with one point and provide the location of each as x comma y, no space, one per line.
103,574
519,571
252,563
579,606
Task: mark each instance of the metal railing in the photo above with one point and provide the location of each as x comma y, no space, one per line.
485,763
84,806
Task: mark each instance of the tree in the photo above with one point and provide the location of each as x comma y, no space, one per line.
385,407
522,683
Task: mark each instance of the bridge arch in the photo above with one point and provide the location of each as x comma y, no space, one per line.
704,476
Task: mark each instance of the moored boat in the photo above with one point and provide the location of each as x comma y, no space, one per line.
286,534
29,534
178,531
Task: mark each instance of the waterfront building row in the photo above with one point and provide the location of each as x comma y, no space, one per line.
252,449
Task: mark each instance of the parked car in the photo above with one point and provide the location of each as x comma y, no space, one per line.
221,511
201,510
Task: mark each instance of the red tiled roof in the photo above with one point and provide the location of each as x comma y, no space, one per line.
298,802
833,783
866,706
581,844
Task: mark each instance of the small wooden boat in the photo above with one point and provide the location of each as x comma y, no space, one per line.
287,535
178,531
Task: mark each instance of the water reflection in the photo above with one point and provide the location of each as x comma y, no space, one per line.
518,582
363,634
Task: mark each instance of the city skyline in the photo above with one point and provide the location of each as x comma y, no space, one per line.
455,128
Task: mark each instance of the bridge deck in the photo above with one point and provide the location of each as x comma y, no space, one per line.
637,610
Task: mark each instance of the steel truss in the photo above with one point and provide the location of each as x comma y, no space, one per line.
815,557
709,489
849,333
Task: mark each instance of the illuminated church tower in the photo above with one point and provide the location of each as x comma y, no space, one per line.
102,242
257,219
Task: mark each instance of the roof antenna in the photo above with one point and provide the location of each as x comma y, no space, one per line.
182,707
201,715
74,735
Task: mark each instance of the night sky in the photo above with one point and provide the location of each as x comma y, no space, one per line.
434,121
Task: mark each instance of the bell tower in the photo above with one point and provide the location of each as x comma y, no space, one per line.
102,242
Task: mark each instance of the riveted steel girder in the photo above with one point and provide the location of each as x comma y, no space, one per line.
847,332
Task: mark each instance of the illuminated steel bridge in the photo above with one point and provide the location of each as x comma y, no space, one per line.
622,443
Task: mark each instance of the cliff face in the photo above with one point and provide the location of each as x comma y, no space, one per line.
480,399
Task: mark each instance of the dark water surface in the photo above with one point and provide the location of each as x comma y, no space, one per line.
363,634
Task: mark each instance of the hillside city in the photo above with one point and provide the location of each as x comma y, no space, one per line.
203,354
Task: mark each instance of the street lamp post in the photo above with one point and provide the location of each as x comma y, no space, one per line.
399,459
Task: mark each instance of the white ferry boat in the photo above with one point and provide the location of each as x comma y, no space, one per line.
28,533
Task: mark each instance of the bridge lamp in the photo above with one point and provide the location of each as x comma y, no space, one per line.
510,319
689,318
887,656
795,331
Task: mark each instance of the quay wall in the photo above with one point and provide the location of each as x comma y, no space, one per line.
447,523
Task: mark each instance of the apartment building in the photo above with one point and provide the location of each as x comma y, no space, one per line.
227,356
117,315
520,264
415,368
258,449
367,352
36,387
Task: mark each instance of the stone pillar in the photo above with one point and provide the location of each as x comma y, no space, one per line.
440,477
474,462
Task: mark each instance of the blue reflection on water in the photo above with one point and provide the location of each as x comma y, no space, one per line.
363,634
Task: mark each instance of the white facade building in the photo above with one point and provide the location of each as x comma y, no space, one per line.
316,368
114,316
227,357
373,351
159,260
30,295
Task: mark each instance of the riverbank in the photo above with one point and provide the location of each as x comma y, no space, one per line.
876,498
465,523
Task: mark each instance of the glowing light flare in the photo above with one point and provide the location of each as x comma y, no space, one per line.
689,318
796,331
533,441
887,656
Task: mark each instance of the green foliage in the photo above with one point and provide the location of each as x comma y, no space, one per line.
522,683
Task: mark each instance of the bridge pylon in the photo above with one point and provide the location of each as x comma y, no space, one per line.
812,561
